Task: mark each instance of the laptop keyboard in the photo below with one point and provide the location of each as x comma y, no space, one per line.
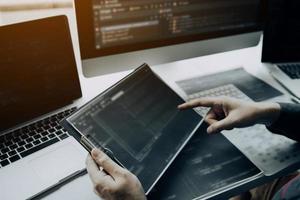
229,90
22,142
292,70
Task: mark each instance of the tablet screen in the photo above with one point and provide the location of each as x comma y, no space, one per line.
139,122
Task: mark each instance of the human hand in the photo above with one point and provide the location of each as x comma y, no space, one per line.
228,113
113,182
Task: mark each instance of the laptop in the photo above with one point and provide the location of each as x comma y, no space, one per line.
39,86
281,43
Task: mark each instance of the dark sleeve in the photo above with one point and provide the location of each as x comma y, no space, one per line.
288,123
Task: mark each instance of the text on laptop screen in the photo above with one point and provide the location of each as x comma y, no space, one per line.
37,68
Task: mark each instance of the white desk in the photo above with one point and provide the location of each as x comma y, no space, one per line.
249,58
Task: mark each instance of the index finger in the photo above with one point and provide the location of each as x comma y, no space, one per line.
204,102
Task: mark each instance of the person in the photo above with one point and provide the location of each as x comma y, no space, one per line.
112,182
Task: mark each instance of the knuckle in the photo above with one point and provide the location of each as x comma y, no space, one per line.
103,160
107,190
103,190
97,188
126,175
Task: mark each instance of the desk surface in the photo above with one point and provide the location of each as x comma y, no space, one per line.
249,58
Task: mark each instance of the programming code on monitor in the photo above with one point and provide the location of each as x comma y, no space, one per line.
125,22
139,122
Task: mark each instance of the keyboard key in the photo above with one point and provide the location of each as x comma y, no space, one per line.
14,158
60,117
24,136
32,133
43,139
5,150
28,145
39,130
37,136
64,136
8,143
25,130
39,124
22,143
28,140
46,127
51,135
4,163
11,153
20,149
16,140
9,137
51,130
12,147
3,156
53,124
59,132
53,119
36,142
44,133
31,127
39,147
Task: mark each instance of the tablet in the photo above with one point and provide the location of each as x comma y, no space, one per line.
137,123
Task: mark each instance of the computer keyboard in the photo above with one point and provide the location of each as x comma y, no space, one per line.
24,141
229,90
292,70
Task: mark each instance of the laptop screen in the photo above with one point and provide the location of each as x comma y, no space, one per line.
282,30
37,70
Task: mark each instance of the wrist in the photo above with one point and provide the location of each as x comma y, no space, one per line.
268,113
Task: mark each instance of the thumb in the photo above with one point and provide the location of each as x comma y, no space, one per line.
224,124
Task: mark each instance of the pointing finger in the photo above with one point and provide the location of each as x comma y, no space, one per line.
204,102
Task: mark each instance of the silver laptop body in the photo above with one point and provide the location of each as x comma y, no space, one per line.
39,86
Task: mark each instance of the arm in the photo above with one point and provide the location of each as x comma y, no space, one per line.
228,113
288,121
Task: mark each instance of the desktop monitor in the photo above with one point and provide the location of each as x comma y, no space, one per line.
115,35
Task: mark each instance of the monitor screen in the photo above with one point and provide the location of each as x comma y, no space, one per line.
118,26
281,33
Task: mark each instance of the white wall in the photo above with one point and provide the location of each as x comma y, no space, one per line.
15,2
14,5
